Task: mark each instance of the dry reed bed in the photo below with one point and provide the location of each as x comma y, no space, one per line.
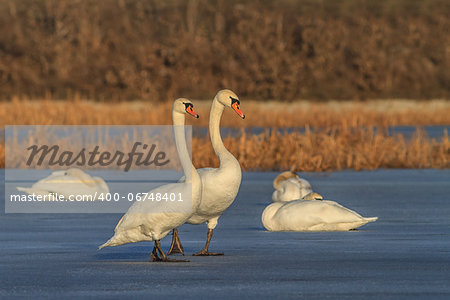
349,142
262,114
333,149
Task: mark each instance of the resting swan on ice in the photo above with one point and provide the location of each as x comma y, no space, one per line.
219,185
66,183
144,220
311,214
289,186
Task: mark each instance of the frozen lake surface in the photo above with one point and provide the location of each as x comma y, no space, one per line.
404,255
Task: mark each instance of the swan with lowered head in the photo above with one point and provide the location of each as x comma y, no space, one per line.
311,214
289,186
151,221
71,182
219,185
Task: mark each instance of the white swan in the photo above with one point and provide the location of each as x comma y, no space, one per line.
289,186
69,183
151,221
219,185
311,214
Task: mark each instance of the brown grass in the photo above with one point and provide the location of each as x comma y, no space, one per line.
156,49
347,138
333,149
262,114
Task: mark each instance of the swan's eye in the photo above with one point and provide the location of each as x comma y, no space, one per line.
234,100
186,104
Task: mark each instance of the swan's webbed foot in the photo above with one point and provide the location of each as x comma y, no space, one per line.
154,258
159,259
204,251
154,255
353,229
176,246
175,260
163,257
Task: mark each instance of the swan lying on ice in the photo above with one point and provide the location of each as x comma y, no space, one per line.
66,183
289,186
311,214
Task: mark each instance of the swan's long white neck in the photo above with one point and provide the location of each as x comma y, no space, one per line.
180,141
214,132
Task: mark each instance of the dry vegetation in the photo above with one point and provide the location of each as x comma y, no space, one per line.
333,149
158,50
344,135
155,50
262,114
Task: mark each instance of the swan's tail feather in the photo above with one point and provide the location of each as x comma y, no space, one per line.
23,189
107,244
373,219
114,241
126,237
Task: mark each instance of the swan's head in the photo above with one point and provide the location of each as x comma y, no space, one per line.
230,99
184,106
282,177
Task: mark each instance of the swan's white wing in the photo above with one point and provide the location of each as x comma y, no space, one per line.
342,211
302,215
55,183
101,185
156,209
32,191
60,182
81,175
324,211
151,220
57,173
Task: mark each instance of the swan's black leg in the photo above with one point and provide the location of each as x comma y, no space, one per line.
176,246
204,251
154,255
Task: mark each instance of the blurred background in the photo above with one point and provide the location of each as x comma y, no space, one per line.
346,80
281,50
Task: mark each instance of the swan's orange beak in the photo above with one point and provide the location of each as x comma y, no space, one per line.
191,111
237,109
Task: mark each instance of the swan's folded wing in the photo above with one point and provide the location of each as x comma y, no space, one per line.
82,176
63,185
31,191
339,213
150,211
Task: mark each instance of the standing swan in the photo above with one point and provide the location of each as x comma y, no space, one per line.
289,186
219,185
144,220
69,183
